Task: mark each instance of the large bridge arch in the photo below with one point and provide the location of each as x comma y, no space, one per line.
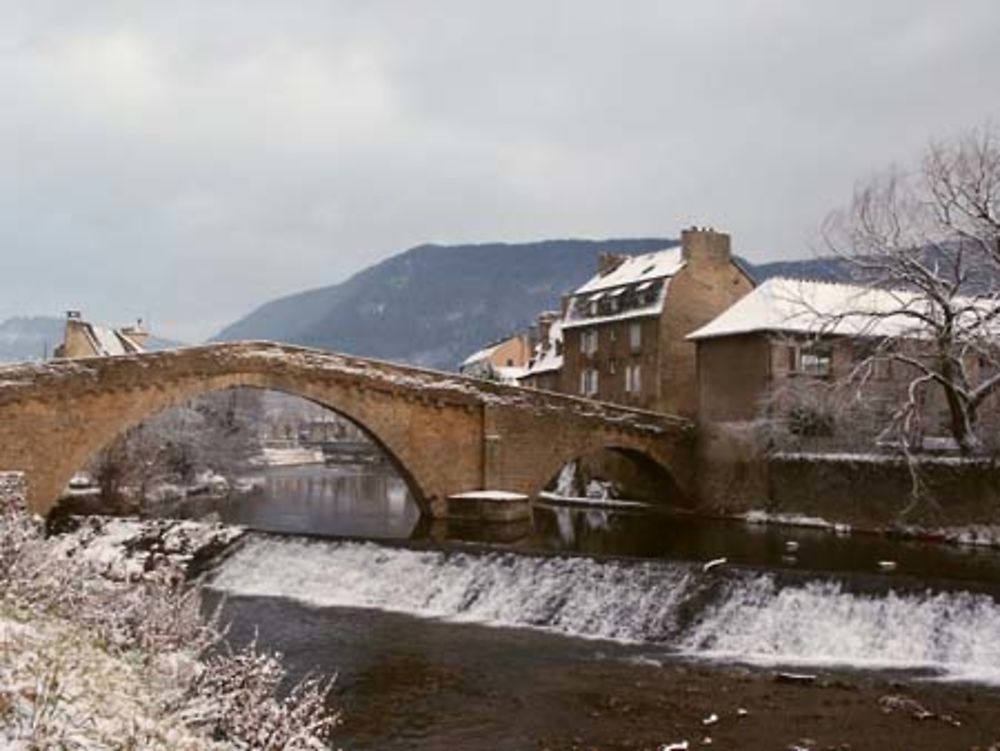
134,409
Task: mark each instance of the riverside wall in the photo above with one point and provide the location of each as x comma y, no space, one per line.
864,490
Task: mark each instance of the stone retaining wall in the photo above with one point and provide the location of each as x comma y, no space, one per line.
869,493
735,476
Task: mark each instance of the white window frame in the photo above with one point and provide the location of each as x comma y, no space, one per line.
633,379
635,336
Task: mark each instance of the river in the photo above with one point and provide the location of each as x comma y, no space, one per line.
439,642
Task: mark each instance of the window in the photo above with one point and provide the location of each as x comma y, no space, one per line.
811,359
588,341
612,366
633,379
635,336
588,382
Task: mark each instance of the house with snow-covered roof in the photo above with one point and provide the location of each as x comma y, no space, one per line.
503,360
625,330
85,339
788,337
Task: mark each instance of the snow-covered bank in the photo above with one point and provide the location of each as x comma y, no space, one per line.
125,548
62,689
978,535
103,645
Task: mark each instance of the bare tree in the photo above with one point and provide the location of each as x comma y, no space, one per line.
927,243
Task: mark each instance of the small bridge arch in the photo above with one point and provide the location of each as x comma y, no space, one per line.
666,472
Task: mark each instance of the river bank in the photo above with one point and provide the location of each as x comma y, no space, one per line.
104,644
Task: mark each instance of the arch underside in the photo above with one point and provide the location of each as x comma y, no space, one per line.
644,475
128,411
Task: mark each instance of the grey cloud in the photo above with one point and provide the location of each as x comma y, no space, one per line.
189,160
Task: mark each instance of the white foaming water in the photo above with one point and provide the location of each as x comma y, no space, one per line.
577,596
740,617
819,623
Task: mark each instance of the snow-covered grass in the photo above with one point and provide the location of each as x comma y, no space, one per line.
883,458
98,653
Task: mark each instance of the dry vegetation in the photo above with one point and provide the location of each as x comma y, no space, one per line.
87,663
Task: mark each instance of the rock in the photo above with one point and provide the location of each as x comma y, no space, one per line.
714,563
891,703
795,678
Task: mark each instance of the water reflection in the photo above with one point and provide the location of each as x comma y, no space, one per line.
337,501
374,502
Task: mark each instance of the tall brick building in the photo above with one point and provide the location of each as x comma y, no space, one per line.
624,331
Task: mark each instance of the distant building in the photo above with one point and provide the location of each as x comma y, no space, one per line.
625,330
503,360
85,339
544,369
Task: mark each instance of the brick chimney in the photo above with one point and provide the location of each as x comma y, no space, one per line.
608,262
705,245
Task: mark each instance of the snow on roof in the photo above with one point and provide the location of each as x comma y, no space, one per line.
636,269
107,340
484,354
509,374
575,320
811,307
549,359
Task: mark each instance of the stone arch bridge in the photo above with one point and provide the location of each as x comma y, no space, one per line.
446,434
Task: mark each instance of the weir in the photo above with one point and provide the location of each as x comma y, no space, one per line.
675,608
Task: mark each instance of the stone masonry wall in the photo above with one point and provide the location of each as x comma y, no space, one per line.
737,476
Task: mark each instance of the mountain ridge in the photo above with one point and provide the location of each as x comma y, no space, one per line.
433,304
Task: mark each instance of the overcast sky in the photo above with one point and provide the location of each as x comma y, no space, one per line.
188,160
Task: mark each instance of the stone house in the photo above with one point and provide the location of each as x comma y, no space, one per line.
778,352
85,339
624,331
503,360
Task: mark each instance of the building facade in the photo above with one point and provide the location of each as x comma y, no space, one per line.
625,330
819,358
